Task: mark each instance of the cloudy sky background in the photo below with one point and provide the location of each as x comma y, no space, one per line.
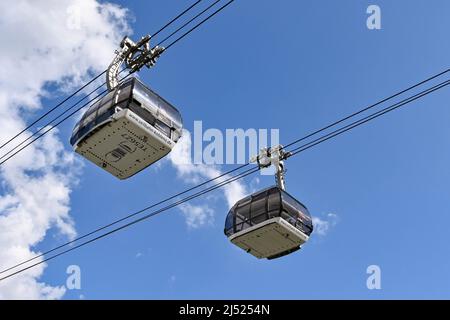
295,67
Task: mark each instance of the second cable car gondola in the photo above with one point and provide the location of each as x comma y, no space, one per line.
269,223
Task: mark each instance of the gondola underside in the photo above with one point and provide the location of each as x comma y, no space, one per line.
125,145
271,239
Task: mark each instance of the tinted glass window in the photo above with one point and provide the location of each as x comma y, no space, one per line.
243,211
229,223
291,202
88,118
295,209
148,95
124,92
170,111
164,128
274,203
259,208
91,109
105,103
75,129
74,136
159,103
108,99
289,217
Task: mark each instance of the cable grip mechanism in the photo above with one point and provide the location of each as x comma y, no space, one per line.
134,55
273,156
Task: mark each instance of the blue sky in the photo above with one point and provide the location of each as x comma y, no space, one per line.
294,66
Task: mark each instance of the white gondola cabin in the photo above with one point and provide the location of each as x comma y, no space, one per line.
127,130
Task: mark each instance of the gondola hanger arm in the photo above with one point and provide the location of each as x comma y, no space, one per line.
273,156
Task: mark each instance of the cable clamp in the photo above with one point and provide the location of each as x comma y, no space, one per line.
134,56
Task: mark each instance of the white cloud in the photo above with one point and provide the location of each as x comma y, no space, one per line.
255,184
197,216
323,226
180,158
57,43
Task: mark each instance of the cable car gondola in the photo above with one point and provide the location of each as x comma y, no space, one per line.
127,130
131,127
269,223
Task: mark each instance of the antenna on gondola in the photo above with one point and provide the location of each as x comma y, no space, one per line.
134,55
